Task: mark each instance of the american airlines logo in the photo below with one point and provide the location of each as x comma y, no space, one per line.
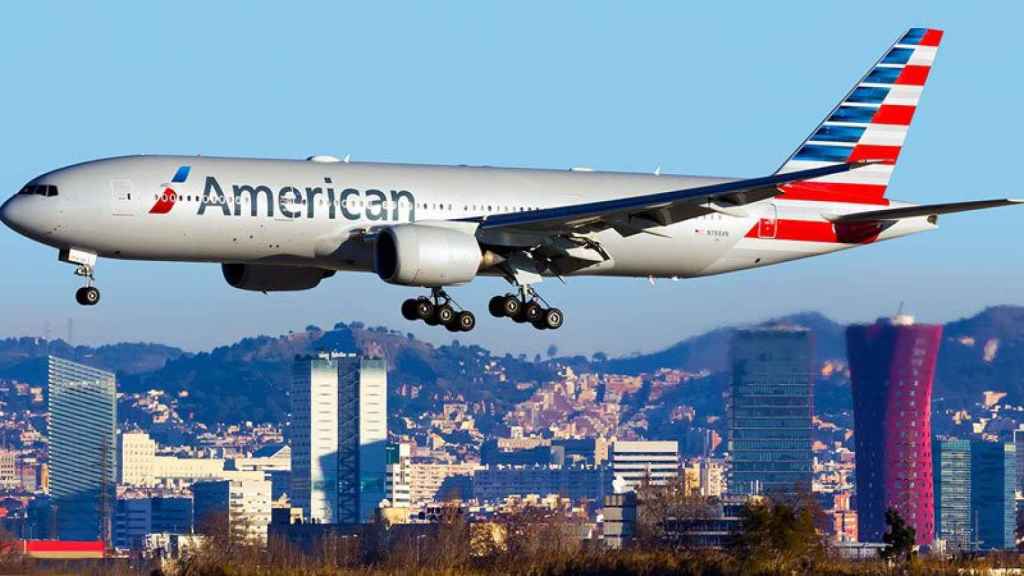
166,201
255,200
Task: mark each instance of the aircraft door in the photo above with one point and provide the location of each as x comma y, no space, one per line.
768,224
123,198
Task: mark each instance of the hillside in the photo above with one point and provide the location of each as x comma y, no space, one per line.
249,379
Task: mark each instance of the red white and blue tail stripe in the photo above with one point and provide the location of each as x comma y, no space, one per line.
870,123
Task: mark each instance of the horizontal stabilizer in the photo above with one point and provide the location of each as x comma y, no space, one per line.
925,210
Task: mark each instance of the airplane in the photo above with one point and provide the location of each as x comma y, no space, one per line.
279,225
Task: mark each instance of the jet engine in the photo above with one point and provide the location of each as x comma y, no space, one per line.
429,256
265,278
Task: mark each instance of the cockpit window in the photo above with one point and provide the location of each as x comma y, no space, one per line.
40,190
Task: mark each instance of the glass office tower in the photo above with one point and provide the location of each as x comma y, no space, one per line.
82,453
339,436
770,411
952,477
993,479
892,363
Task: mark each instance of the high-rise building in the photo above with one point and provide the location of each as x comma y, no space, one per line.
636,462
892,363
239,509
1018,442
993,506
82,449
952,479
339,436
771,409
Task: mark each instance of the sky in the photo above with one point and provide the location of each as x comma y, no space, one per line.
711,88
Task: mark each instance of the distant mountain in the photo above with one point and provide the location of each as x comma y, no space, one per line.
710,351
983,352
249,379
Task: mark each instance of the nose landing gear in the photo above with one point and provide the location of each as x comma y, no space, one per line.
438,310
87,295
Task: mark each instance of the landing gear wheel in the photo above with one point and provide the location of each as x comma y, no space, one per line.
444,314
552,319
497,306
465,321
532,312
88,296
424,310
510,306
409,309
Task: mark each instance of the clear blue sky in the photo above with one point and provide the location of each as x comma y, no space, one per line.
710,88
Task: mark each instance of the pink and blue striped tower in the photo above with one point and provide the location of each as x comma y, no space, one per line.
892,364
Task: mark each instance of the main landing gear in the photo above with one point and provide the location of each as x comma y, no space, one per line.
526,307
87,295
437,310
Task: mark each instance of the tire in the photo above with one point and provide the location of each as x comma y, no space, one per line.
553,318
453,327
409,309
510,306
444,314
496,306
424,309
465,320
532,312
88,296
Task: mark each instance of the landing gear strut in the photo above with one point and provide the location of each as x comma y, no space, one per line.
438,310
87,295
526,307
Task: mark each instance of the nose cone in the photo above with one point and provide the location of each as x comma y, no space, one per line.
28,216
7,213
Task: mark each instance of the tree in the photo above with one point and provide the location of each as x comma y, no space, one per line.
899,538
552,351
778,538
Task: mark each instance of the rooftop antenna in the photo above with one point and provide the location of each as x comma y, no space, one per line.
899,311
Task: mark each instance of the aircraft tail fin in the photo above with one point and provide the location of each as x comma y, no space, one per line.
870,123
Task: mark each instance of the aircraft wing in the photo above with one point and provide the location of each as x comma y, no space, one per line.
635,214
924,210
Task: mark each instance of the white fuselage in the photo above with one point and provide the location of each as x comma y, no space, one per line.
307,213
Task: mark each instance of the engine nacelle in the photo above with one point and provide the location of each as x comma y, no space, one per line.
264,278
430,256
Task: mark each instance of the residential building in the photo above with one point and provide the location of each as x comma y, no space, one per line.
639,461
892,364
398,489
239,509
433,481
135,518
9,477
770,411
136,458
577,483
339,436
82,449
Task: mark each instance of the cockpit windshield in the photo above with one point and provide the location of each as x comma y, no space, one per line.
40,190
